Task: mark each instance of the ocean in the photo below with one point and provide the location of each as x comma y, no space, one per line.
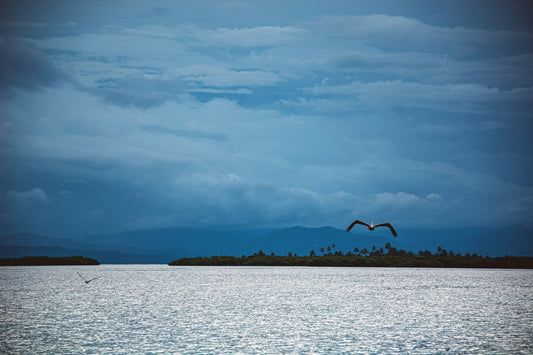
149,309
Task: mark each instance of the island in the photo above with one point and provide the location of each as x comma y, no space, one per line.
47,260
375,258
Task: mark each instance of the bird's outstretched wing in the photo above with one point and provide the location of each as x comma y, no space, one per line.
92,279
354,223
87,281
390,227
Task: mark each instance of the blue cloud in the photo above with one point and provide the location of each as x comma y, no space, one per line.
137,91
182,132
23,65
207,114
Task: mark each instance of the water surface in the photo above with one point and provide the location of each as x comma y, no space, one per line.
272,310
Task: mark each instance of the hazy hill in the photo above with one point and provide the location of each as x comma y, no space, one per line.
19,245
105,257
164,245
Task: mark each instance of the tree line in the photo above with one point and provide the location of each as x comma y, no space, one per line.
48,260
382,257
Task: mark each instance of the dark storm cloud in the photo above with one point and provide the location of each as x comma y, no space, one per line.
22,65
36,30
137,91
201,113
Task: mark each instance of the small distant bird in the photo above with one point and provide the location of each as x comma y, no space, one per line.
87,281
372,226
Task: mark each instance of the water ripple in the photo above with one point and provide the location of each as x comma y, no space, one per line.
139,309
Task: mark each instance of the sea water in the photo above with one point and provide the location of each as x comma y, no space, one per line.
140,309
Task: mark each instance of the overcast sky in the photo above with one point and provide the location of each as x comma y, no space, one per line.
121,115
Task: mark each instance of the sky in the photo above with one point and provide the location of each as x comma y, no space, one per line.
124,115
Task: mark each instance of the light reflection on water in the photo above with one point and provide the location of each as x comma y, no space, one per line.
273,310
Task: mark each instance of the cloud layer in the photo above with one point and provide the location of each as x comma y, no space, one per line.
181,115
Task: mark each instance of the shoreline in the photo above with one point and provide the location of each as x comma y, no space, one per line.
435,261
48,260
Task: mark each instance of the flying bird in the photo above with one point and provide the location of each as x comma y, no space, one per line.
372,226
87,281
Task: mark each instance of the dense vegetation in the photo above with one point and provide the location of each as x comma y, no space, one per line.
47,260
365,258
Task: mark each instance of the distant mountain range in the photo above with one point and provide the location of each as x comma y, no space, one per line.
164,245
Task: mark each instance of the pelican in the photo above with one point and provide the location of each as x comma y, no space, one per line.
372,226
87,281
